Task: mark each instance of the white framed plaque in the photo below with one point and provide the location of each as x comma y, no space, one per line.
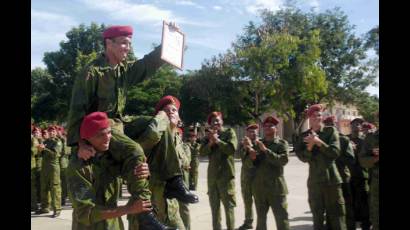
172,48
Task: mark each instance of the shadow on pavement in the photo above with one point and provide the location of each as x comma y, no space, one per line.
36,215
302,227
302,218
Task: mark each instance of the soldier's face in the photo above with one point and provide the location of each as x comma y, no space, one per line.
269,129
216,123
45,135
37,133
119,47
101,140
315,119
356,127
252,133
172,113
53,133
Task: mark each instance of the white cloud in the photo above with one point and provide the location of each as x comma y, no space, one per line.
189,3
314,4
125,10
217,8
139,13
47,31
254,6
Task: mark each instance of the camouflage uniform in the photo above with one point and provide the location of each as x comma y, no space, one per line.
193,172
184,154
101,87
156,138
344,162
359,184
247,176
324,181
221,177
366,160
34,153
50,175
270,191
63,166
101,188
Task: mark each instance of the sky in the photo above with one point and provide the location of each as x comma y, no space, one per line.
210,26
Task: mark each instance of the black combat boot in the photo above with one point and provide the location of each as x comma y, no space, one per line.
192,187
56,214
148,221
175,188
245,226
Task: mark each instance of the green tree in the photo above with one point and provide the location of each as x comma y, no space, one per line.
142,98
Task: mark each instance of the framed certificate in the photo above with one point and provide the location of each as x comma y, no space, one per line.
173,43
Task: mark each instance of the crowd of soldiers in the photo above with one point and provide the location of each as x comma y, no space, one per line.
160,170
49,161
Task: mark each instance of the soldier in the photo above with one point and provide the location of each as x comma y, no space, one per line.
50,173
359,182
194,147
247,175
159,141
344,162
63,164
220,148
102,86
369,158
320,147
185,157
94,184
269,157
36,134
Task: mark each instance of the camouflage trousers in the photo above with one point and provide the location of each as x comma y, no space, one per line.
360,197
167,209
374,202
327,200
50,187
184,213
64,193
193,172
246,190
350,220
265,200
34,197
223,191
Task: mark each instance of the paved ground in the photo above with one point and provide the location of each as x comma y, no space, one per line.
299,213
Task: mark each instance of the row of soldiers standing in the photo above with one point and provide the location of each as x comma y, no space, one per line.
341,170
49,160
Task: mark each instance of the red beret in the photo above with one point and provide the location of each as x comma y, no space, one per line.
36,129
43,131
116,31
252,126
330,120
213,114
51,128
166,101
92,123
314,108
367,125
271,119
